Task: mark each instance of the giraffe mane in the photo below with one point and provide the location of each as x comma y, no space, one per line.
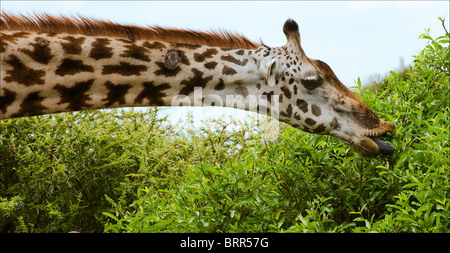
88,26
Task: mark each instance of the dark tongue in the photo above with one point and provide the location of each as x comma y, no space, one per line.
384,147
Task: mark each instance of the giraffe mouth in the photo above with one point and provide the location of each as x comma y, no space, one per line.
383,147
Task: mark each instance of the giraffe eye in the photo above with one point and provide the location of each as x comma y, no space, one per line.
312,82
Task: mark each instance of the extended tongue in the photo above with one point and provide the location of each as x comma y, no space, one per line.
384,147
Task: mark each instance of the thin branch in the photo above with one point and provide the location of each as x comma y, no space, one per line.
443,25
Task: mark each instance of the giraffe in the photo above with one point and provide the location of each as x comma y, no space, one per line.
59,64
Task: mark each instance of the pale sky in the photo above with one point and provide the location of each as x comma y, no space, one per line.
356,38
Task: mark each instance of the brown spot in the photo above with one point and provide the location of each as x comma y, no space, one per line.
154,45
286,92
20,34
100,49
184,59
306,129
231,59
228,71
210,65
41,54
71,67
295,89
31,105
73,45
241,91
75,95
153,93
209,53
320,128
297,117
310,121
12,38
241,52
164,71
302,105
6,99
124,69
316,110
269,96
136,52
196,81
288,112
116,93
220,85
22,74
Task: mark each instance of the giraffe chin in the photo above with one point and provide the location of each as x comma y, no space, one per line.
370,147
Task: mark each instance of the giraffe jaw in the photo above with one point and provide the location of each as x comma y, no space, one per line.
383,147
369,146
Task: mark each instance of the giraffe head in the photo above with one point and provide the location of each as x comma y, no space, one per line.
314,100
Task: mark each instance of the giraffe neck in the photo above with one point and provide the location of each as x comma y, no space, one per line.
46,73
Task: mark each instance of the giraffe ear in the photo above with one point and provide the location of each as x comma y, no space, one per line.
270,71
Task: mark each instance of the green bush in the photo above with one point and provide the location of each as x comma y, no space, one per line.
130,171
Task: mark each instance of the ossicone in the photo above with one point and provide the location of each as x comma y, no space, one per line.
290,29
290,26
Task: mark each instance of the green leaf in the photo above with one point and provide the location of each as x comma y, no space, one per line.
110,216
394,74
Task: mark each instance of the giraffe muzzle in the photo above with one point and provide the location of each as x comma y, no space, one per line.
384,148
